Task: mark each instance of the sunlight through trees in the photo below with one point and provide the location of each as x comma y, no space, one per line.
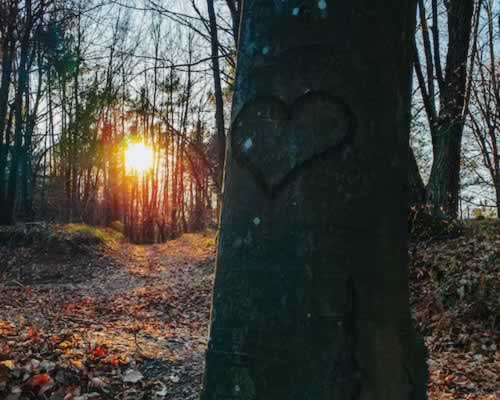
139,158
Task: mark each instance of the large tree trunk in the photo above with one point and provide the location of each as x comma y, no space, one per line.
444,183
311,294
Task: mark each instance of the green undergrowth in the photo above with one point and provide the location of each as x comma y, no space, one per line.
99,235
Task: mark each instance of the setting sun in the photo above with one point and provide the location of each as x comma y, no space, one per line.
138,158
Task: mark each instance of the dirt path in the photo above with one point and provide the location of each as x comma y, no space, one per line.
135,330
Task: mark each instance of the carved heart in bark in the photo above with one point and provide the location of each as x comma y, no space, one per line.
275,140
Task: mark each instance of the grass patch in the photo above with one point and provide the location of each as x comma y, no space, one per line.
91,233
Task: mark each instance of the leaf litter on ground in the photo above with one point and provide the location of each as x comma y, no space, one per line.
133,328
130,322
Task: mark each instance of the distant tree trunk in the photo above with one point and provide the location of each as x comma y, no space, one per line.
5,217
175,193
311,292
235,8
19,115
8,19
497,193
27,181
447,125
219,99
415,182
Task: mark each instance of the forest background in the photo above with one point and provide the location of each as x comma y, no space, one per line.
83,82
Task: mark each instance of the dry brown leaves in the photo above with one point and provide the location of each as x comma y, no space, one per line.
135,330
454,287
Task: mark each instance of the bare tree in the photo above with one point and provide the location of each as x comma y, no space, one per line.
219,99
484,114
446,87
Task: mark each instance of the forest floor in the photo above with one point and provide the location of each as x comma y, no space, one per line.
122,322
86,316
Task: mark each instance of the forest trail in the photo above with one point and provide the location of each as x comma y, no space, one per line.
135,329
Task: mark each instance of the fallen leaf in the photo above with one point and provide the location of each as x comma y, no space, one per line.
5,348
47,365
77,363
99,352
8,363
64,345
33,334
38,381
97,383
54,339
132,376
32,365
162,392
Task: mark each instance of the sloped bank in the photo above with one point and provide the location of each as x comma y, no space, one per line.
45,253
455,295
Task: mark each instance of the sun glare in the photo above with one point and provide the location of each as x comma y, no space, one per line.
138,158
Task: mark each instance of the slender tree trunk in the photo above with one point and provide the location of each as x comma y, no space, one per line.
27,181
311,292
175,186
497,192
4,215
234,9
219,99
7,52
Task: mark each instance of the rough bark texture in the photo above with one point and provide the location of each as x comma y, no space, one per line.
311,296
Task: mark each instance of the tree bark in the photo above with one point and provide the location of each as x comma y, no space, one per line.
8,18
415,182
234,9
5,217
311,291
444,183
219,99
497,193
